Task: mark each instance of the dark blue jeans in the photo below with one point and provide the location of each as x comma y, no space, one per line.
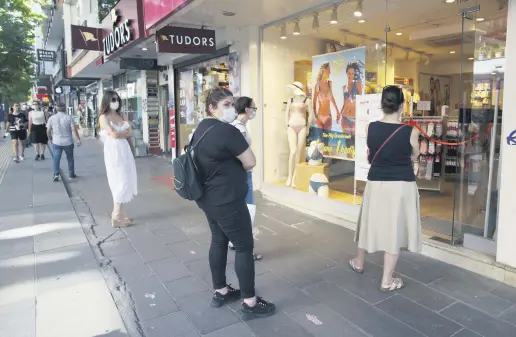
57,151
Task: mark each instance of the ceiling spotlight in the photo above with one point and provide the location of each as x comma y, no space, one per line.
283,34
358,10
315,24
449,1
334,16
399,33
297,30
452,52
471,58
480,19
361,21
407,56
227,13
145,48
427,62
493,73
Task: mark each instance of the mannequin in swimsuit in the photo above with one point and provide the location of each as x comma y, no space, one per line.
351,90
299,116
323,94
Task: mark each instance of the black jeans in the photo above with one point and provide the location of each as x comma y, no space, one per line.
231,222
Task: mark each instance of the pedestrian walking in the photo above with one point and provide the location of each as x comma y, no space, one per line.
38,130
115,132
61,130
223,158
389,217
16,124
246,110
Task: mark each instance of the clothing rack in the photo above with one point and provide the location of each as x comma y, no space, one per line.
432,159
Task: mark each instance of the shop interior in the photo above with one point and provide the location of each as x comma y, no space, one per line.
448,66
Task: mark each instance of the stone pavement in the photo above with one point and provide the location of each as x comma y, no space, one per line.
158,273
50,281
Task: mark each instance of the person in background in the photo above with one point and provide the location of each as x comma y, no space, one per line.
246,110
16,122
115,133
61,130
389,217
38,130
223,158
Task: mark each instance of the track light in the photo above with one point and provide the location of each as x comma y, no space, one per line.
283,34
315,23
334,16
297,30
358,10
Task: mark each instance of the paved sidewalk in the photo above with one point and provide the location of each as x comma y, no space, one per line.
50,281
159,277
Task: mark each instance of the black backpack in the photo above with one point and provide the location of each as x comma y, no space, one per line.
186,176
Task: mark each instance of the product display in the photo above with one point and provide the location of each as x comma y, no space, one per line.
319,185
299,116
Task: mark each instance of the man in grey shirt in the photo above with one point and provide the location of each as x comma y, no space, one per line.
61,130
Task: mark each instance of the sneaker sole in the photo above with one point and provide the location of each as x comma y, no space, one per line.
248,316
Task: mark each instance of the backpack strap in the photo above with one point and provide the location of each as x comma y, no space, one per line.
386,141
191,147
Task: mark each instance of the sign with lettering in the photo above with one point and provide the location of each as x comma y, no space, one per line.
139,64
121,35
186,40
46,55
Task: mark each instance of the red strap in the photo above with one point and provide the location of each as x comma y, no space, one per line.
386,141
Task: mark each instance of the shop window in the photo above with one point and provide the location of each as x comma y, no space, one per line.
318,66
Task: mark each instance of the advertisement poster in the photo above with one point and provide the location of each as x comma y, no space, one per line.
337,80
234,73
368,110
171,112
186,98
436,90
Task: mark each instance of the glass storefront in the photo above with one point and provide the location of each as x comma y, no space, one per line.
322,69
192,84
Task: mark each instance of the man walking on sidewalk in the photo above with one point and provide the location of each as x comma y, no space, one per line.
61,129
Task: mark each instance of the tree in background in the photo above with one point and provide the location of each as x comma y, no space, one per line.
105,7
18,23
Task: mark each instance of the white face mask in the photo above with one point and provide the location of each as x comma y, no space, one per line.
114,106
228,115
252,114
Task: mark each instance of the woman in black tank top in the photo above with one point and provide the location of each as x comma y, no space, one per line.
389,216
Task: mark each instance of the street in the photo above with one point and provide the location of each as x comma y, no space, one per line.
64,271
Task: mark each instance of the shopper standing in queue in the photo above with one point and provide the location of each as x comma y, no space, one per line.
223,158
389,217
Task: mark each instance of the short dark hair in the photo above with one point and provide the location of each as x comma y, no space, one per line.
214,96
242,103
61,107
392,99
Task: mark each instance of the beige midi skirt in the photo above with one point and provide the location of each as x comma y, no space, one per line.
389,218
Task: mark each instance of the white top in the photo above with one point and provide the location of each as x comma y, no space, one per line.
61,125
38,117
243,129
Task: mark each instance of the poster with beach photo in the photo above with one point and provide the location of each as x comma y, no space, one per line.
337,79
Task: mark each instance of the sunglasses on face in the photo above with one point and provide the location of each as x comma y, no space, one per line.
115,99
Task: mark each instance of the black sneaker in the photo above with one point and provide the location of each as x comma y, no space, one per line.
73,176
261,309
42,157
37,157
219,300
56,177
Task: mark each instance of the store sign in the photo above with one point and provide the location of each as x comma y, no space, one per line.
139,64
511,139
121,35
46,55
186,40
86,38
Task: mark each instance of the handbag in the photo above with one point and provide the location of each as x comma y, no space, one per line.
385,142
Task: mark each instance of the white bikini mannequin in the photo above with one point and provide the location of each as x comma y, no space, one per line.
299,118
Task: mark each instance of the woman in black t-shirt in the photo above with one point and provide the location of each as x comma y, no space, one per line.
223,158
16,124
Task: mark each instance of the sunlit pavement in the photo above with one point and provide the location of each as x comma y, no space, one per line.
158,275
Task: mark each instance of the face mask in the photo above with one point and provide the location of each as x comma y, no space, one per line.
114,106
252,114
228,115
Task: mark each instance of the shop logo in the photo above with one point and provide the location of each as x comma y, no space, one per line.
121,35
88,37
511,139
186,40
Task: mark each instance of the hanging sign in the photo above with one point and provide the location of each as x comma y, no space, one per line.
46,55
121,35
186,40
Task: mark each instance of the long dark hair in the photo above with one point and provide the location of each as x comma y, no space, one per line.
106,100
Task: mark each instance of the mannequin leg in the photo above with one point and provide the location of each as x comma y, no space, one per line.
301,144
292,144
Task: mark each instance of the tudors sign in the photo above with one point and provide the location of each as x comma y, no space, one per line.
186,40
121,35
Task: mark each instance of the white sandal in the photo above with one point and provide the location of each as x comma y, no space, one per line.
396,284
353,266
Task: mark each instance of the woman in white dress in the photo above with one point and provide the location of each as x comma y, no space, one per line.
115,132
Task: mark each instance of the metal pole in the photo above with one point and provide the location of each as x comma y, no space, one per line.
492,145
